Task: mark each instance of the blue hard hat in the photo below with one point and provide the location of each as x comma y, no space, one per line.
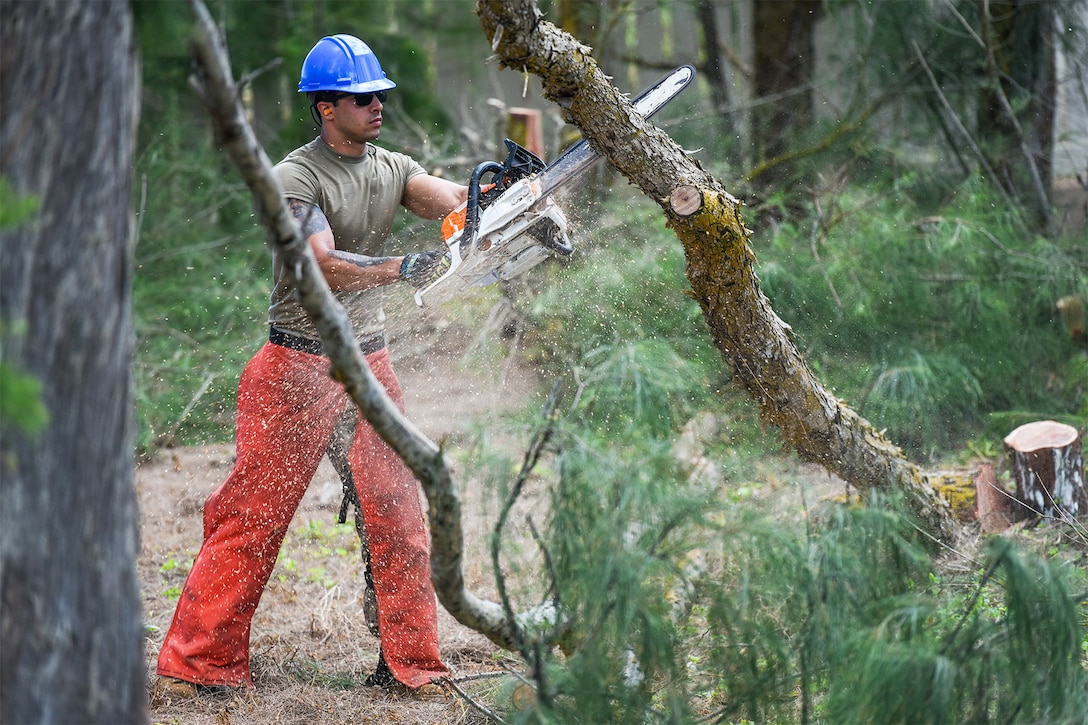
342,63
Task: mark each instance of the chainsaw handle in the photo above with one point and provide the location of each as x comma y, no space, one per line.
472,206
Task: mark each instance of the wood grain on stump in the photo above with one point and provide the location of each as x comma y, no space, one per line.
1049,468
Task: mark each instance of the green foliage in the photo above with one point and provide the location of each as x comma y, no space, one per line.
922,398
971,660
21,406
683,607
611,538
200,294
929,319
629,280
651,375
202,271
618,318
796,604
15,208
687,608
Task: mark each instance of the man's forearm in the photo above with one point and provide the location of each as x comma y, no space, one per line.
345,271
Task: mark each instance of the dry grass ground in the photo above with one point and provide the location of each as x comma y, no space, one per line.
311,648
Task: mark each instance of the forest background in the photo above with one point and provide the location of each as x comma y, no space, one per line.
921,291
915,236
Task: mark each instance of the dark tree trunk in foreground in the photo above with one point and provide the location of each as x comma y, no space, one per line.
720,263
71,626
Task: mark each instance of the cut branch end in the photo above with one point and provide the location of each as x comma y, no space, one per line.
685,200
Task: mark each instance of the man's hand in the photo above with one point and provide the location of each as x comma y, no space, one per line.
422,268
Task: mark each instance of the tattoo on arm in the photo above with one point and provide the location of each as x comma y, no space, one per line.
309,216
359,260
313,221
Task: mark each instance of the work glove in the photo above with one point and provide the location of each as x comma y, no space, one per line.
419,269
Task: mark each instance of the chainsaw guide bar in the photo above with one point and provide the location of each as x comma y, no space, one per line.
521,224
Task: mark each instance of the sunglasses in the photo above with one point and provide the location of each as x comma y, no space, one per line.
364,99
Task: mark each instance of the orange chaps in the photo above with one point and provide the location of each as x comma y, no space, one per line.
288,407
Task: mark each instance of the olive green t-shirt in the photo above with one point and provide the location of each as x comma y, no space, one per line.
360,196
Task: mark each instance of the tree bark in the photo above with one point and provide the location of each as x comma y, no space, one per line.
1048,468
71,627
720,262
713,67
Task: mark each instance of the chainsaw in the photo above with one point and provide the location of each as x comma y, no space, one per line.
511,221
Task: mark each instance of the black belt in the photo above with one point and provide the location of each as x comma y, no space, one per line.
276,336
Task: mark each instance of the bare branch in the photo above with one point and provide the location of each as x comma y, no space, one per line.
979,156
840,131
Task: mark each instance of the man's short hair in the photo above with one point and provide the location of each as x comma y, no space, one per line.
317,97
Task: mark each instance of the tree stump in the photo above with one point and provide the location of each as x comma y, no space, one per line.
1049,469
523,126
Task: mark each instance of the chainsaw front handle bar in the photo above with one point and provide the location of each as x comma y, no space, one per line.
472,207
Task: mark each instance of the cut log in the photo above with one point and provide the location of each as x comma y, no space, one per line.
686,200
1049,468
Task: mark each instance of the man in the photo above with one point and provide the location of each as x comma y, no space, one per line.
345,192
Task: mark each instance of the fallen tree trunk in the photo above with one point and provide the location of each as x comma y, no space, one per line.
720,263
1048,468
